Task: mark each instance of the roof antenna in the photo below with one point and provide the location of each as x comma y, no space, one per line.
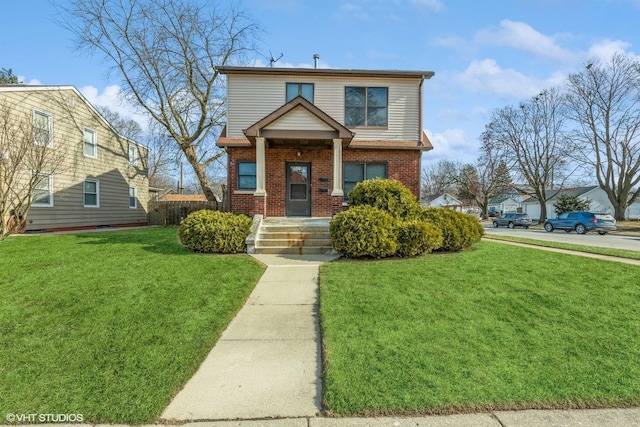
274,60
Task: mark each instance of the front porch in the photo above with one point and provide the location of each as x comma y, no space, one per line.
295,236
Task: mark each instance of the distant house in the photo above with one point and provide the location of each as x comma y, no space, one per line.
298,140
596,196
104,178
504,204
444,200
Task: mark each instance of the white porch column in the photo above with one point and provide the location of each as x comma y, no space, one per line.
337,168
260,168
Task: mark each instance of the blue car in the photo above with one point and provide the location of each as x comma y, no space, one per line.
581,222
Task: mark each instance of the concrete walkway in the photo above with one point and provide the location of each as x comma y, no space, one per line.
267,363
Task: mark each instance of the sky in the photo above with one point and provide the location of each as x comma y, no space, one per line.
485,54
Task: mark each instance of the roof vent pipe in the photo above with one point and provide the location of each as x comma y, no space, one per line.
316,57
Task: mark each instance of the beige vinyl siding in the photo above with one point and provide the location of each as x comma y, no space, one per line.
299,119
71,115
250,98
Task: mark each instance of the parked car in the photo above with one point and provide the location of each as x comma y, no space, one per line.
581,222
513,220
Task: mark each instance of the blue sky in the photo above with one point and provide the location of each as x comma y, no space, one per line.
485,54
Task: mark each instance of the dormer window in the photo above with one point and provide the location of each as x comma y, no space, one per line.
300,89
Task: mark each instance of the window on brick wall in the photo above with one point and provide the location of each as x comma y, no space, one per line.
357,172
246,175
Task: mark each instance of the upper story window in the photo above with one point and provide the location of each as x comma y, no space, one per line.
133,154
366,106
297,89
90,143
42,128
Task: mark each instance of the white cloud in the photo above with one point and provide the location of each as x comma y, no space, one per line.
354,10
487,77
112,97
451,144
522,36
605,49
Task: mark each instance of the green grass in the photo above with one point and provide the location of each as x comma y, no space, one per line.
496,327
622,253
110,325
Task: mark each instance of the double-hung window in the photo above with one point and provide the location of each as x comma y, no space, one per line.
357,172
246,175
133,154
42,191
90,143
133,197
300,89
42,128
366,106
91,193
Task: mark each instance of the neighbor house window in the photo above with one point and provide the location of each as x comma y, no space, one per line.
42,128
366,106
133,197
133,154
246,175
90,143
357,172
300,89
42,192
91,193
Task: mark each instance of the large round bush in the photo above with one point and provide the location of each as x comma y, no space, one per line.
459,231
386,194
416,237
215,232
363,232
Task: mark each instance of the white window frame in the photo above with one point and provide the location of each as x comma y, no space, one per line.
35,204
134,196
133,154
97,193
93,142
49,119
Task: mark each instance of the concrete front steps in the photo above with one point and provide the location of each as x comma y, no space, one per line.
299,236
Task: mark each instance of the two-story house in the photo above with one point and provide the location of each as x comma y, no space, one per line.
298,140
103,179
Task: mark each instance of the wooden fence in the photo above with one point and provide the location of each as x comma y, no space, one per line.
172,213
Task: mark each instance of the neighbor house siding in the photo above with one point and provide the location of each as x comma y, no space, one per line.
71,115
245,108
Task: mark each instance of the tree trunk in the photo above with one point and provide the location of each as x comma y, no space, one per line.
198,168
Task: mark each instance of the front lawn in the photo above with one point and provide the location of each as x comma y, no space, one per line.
110,325
495,327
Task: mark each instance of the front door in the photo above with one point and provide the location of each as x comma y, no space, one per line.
298,198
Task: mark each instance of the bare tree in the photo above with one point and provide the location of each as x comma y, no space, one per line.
488,178
533,138
439,177
26,157
168,53
604,101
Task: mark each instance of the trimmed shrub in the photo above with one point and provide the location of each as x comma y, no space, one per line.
385,194
364,232
459,231
417,237
215,232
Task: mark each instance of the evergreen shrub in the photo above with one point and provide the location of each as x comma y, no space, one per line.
386,194
215,232
364,232
417,237
459,230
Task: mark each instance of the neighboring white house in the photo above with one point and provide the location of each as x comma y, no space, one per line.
504,204
596,195
445,200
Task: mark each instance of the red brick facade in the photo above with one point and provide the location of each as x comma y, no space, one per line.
402,165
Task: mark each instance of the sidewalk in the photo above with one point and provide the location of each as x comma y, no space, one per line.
265,371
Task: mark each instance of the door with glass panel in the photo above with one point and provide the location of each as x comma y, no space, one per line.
298,197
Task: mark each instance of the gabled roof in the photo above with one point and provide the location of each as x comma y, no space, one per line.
554,194
338,130
53,88
448,198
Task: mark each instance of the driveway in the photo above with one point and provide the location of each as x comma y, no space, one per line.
590,239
